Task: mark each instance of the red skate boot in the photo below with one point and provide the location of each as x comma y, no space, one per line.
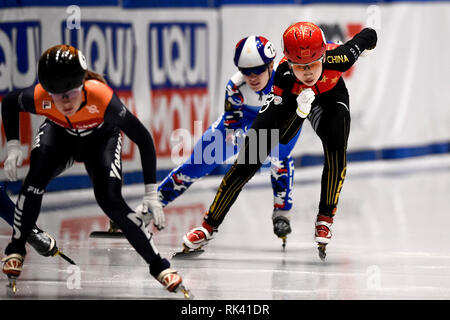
173,282
12,267
194,240
323,233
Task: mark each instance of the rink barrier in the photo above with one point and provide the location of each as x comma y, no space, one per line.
74,182
132,4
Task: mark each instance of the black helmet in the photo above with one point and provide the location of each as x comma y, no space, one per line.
61,68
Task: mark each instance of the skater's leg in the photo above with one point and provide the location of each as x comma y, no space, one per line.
108,193
210,151
333,130
40,240
282,179
331,122
260,140
47,160
282,175
6,207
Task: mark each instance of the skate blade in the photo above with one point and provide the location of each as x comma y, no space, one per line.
322,251
186,293
106,235
284,239
188,253
62,255
11,287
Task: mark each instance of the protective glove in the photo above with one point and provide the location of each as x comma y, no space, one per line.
304,101
151,208
13,160
370,35
233,119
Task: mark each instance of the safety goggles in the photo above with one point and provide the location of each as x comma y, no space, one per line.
68,94
306,66
255,70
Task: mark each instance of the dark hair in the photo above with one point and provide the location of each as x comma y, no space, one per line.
91,75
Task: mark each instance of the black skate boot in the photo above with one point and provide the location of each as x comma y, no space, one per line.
281,226
113,232
42,242
113,227
45,244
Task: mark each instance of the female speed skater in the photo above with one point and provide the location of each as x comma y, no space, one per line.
84,120
308,84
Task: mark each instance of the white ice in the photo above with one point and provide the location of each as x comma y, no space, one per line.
390,241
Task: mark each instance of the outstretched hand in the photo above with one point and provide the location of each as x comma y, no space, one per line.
13,160
151,208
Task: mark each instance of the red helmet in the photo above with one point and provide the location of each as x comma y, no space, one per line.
303,42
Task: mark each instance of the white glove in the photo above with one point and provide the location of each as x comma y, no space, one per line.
304,101
13,160
151,208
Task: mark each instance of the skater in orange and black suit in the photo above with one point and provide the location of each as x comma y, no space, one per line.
84,120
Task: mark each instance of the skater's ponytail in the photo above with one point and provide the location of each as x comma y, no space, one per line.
91,75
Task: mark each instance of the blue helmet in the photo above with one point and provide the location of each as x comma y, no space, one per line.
253,51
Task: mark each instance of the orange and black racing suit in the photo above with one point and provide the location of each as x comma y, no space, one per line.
92,136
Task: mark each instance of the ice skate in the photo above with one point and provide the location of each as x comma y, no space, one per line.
173,282
113,232
12,267
281,226
323,234
195,240
45,244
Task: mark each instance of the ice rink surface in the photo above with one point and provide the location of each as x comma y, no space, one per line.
390,241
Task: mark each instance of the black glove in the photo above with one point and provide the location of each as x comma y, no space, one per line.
369,35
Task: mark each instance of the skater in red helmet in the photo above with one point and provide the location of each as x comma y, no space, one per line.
308,84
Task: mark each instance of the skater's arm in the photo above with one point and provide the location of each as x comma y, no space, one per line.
233,102
279,111
343,57
12,104
117,114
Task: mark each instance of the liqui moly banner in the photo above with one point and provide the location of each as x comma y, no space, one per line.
161,63
179,77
